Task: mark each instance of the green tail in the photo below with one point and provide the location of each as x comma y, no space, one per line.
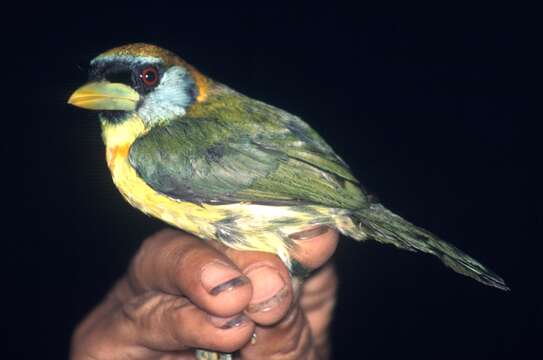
382,225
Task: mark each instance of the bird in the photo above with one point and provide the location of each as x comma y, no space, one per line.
211,161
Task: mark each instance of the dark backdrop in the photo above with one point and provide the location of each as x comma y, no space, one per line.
428,105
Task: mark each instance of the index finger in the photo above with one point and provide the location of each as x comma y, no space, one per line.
181,264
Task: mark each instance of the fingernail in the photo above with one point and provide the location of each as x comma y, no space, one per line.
218,277
269,288
308,234
229,322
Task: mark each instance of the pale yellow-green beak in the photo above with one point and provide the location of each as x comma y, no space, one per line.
104,95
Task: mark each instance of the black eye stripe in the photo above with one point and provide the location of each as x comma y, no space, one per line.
123,76
131,74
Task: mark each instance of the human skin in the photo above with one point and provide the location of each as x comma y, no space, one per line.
171,301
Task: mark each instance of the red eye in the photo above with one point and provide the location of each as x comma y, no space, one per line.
149,76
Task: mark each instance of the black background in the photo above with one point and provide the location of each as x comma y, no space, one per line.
428,105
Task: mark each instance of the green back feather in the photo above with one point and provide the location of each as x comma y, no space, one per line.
244,150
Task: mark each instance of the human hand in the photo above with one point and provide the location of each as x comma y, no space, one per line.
181,293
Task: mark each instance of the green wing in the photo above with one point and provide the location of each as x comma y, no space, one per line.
244,150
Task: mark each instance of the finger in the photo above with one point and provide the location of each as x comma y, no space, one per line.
314,246
272,287
271,284
155,322
172,323
303,333
317,301
289,339
180,264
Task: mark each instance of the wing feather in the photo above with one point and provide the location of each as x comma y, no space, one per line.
260,155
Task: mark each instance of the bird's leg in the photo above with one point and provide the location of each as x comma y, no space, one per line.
298,271
210,355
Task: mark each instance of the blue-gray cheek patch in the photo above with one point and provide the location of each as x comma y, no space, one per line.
170,98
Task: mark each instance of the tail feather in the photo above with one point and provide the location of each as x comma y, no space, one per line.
382,225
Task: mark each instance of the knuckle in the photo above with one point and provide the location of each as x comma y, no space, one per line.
133,309
140,311
178,316
154,318
299,344
174,318
168,322
293,324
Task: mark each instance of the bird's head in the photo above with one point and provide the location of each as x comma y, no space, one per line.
143,80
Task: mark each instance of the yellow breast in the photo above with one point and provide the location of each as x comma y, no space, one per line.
246,226
184,215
